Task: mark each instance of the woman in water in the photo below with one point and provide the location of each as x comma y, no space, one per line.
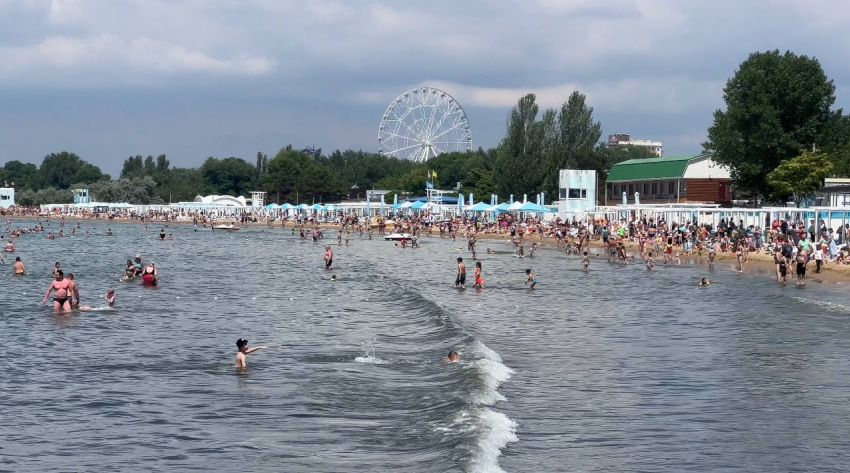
149,275
61,297
479,282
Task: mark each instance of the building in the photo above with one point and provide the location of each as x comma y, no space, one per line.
7,197
834,193
577,191
676,179
624,139
258,199
81,196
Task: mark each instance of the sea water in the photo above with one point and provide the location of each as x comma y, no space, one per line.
619,369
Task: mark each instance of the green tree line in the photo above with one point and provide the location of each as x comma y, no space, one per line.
778,108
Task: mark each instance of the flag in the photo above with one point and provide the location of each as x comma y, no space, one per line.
428,185
429,175
434,174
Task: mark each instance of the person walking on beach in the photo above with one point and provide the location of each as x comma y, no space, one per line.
244,350
460,281
329,257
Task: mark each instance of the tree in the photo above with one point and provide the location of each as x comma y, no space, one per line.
776,105
59,170
19,175
518,165
800,176
231,176
577,136
182,185
133,167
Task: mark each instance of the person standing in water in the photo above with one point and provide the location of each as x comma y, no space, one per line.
61,295
329,257
460,281
244,350
530,278
479,282
585,262
802,260
19,268
162,234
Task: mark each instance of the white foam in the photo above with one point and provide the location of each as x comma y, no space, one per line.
370,359
496,431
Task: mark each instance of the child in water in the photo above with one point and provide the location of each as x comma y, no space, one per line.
530,278
242,345
585,262
479,283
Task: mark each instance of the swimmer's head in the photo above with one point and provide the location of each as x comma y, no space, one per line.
56,265
460,260
17,258
241,343
453,356
110,292
527,271
71,276
60,275
585,253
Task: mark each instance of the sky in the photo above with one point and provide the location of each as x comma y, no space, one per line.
107,79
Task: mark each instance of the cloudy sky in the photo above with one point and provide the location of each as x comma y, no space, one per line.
197,78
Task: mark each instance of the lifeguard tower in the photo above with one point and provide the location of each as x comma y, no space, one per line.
81,196
258,199
7,197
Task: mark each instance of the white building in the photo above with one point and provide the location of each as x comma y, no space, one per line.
228,200
577,191
7,197
624,139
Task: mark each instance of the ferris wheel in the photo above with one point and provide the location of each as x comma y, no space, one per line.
422,123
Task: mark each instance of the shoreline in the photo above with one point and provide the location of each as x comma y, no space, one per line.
760,264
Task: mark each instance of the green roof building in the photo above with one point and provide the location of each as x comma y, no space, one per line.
674,179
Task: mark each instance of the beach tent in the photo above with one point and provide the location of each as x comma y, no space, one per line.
532,207
301,207
332,208
514,207
287,206
479,207
318,207
272,206
406,205
418,205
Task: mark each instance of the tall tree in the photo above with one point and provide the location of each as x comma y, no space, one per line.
519,153
578,134
232,176
776,106
60,170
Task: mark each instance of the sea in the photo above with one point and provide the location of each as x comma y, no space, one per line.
618,369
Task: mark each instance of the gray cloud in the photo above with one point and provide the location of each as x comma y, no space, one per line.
195,78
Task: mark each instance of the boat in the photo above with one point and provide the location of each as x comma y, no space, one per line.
228,228
398,236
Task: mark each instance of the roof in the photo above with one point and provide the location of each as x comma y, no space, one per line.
651,168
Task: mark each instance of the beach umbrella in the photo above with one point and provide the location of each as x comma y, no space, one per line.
514,207
406,205
479,207
317,207
459,203
417,205
625,199
332,208
395,200
287,206
381,210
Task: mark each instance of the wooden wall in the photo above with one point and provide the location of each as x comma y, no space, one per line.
708,191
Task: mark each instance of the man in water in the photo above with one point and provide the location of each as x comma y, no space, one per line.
329,257
452,357
61,295
460,281
74,290
162,234
242,345
19,268
530,278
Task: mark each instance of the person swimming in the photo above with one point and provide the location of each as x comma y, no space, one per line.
333,278
19,268
242,345
705,282
452,357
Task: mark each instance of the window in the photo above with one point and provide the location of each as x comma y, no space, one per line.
631,189
563,193
574,194
654,188
4,197
670,189
646,188
584,193
616,188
